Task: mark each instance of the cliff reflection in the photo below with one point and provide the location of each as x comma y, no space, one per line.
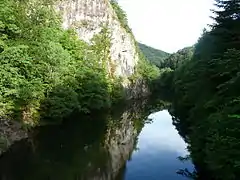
85,147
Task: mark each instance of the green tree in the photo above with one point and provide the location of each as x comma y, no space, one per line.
153,55
47,72
206,95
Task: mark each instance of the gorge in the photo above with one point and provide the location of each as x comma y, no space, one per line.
105,146
80,98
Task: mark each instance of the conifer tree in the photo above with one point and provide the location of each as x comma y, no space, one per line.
227,26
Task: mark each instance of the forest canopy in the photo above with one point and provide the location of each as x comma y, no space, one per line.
153,55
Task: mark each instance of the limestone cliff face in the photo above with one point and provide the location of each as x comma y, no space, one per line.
87,18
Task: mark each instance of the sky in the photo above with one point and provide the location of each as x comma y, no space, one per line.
167,140
168,25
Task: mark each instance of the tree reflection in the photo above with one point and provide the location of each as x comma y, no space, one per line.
95,146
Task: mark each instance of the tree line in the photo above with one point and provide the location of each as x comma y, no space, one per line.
205,95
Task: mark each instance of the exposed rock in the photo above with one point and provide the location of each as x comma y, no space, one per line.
10,131
87,17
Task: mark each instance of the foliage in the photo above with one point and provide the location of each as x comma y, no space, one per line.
207,95
121,15
161,87
145,71
47,72
162,83
177,59
148,71
153,55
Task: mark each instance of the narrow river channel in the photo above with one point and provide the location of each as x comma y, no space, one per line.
110,147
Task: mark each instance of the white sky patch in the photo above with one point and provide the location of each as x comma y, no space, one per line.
161,136
168,25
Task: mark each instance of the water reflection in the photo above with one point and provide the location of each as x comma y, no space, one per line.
159,146
103,146
85,147
163,135
58,153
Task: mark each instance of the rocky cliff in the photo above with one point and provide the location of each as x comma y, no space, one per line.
88,17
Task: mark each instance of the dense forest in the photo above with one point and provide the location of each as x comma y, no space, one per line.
176,59
47,72
153,55
205,95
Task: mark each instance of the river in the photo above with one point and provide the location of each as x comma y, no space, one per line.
159,146
126,146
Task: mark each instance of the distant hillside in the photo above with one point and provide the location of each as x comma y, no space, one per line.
177,59
155,56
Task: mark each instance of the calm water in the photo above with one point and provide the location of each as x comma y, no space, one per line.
109,147
159,146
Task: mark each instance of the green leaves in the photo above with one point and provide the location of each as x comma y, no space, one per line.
206,96
121,15
8,24
234,116
47,72
59,103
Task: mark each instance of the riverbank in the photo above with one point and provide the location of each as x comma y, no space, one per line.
105,145
10,132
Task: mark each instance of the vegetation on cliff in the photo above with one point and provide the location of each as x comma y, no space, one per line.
121,15
47,72
145,70
206,96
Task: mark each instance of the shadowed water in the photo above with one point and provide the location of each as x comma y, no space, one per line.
107,146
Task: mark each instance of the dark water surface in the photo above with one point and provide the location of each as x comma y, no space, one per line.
117,146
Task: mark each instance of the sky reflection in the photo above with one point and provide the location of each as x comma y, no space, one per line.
159,146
